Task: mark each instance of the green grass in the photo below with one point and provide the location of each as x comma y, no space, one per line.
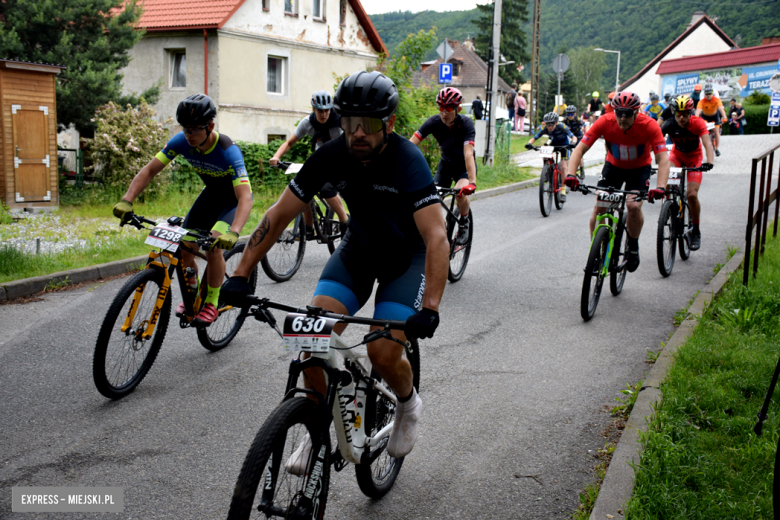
701,459
503,173
517,144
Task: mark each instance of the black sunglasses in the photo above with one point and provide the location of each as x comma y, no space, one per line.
624,112
190,131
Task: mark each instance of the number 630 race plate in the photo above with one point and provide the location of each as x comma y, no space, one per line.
308,333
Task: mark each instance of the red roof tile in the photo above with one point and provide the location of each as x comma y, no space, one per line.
186,14
722,60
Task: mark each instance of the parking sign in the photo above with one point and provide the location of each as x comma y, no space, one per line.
773,118
445,73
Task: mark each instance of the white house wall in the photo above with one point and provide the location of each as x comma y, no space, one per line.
701,41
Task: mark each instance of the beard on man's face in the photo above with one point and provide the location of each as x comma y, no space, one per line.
361,148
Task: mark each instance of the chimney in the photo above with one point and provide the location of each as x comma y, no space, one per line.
469,44
769,40
698,15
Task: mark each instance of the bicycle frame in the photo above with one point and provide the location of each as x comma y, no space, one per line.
615,221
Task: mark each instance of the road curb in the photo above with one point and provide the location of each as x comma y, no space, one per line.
618,484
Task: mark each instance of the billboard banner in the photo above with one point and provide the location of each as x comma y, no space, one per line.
740,82
756,78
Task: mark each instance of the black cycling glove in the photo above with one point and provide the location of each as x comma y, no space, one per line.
423,324
529,146
235,291
705,167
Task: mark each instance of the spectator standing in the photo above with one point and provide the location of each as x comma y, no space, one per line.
520,106
510,102
478,108
741,118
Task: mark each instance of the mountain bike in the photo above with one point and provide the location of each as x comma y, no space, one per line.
285,257
137,319
674,222
549,183
602,260
351,423
459,253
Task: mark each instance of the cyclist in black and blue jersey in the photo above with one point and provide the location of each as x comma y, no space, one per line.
396,237
573,122
559,135
224,204
455,134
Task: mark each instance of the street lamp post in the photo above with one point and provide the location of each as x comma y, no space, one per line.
617,76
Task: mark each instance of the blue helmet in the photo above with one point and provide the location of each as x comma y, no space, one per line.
322,100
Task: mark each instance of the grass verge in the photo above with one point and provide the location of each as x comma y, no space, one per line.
517,143
701,459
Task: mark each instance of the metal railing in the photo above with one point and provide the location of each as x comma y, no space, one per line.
71,164
760,218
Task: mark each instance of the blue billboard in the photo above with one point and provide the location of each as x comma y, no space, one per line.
739,82
756,78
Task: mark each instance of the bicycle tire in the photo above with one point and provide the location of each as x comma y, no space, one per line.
459,253
581,173
617,275
593,281
684,234
545,191
333,233
276,441
557,198
666,238
377,477
220,333
283,260
138,355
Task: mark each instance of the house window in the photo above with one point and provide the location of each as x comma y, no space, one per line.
290,7
319,9
276,68
456,69
343,12
178,69
276,137
266,6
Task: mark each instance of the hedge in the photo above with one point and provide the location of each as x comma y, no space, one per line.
756,120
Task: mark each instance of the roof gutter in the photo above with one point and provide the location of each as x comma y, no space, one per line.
205,62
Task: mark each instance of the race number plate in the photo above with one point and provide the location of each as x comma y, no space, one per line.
674,176
308,333
547,151
293,168
607,200
710,125
166,237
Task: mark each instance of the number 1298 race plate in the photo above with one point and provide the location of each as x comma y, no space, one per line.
166,236
308,333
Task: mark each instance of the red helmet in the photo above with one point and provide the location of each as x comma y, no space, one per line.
449,96
626,100
697,87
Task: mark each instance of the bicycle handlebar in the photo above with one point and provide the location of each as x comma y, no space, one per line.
586,189
570,146
203,237
653,171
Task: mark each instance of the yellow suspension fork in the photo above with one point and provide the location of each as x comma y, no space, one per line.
158,259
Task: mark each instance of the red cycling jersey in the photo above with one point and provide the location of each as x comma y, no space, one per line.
630,149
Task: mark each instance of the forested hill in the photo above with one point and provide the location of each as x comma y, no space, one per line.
640,29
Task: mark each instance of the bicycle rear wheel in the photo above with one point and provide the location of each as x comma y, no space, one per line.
377,471
684,233
617,275
558,200
665,240
459,253
123,358
229,321
592,281
283,493
332,230
284,259
545,190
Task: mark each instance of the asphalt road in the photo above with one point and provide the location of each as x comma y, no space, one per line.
515,384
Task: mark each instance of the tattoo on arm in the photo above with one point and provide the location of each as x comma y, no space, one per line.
259,233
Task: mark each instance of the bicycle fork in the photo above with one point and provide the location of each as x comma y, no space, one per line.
604,271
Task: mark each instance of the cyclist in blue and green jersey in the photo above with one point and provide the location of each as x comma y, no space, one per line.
222,206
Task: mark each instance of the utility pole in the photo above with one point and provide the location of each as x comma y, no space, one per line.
495,53
533,98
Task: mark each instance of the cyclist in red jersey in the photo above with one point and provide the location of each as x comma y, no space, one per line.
688,133
630,137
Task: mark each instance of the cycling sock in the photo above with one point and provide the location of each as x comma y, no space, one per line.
405,399
696,226
465,216
633,243
212,296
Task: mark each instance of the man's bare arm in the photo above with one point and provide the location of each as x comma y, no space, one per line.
430,223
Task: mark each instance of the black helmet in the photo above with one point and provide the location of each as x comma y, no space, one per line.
322,100
571,109
655,97
196,110
550,117
370,94
708,88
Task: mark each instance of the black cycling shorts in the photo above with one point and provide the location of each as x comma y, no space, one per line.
448,173
328,191
213,209
351,271
712,119
635,179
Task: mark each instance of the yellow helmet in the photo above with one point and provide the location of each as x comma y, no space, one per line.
682,103
595,94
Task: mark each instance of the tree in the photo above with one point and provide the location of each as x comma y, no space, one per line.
587,69
90,37
514,15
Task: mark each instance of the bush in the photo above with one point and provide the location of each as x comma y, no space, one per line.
758,98
124,142
756,119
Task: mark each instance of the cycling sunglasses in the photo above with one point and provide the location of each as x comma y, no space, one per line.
684,113
448,109
190,131
624,112
370,125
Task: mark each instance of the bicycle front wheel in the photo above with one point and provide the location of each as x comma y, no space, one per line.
123,352
284,258
617,275
665,241
459,253
684,233
272,459
592,281
558,200
377,471
229,322
545,190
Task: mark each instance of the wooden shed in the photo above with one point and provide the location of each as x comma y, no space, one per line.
28,154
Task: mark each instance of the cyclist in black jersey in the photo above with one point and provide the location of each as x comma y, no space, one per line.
396,237
573,123
323,124
224,204
455,134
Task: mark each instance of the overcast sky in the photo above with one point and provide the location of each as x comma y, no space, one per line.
385,6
